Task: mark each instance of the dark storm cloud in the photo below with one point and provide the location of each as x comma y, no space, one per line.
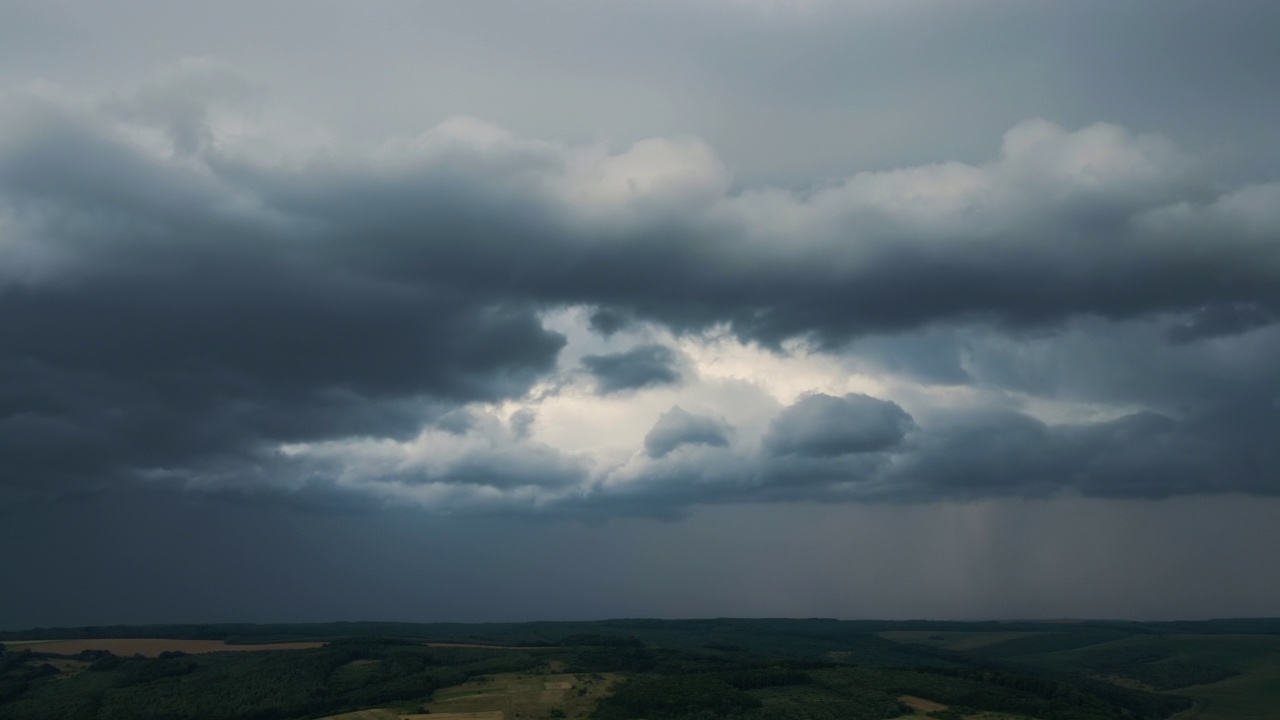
181,332
1127,364
1042,233
975,454
509,467
820,425
608,322
186,314
1147,455
641,367
931,355
1219,320
677,427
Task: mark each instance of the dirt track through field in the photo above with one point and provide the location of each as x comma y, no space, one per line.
150,647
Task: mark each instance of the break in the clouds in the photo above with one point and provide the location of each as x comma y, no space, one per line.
204,290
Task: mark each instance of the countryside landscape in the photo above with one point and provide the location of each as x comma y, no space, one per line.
640,360
812,669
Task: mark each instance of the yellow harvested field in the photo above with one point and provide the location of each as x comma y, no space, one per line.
151,647
919,704
557,685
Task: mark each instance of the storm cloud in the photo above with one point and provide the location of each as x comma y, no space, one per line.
678,426
820,425
640,367
199,291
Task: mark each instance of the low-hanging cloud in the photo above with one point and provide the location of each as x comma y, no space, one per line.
820,425
678,427
178,307
641,367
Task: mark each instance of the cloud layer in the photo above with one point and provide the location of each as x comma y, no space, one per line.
191,298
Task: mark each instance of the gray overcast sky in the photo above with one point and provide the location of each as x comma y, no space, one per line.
578,309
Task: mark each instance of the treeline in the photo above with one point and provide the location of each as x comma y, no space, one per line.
596,640
670,633
773,637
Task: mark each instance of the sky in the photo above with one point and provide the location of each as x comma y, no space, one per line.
571,310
